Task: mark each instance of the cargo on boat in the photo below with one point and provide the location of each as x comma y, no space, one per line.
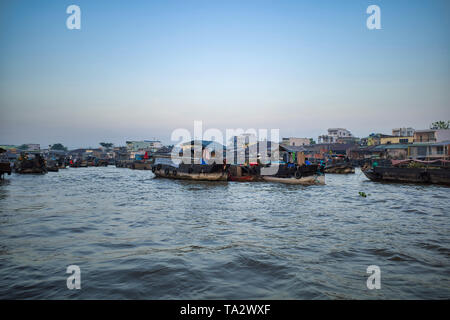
410,171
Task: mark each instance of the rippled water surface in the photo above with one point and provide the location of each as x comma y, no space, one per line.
134,236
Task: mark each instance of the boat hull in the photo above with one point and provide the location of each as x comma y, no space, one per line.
409,175
31,171
210,176
243,178
309,180
340,169
5,168
141,166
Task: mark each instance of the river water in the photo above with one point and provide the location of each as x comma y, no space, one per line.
136,237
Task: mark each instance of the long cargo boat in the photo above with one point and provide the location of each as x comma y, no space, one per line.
202,166
411,171
312,174
290,174
198,172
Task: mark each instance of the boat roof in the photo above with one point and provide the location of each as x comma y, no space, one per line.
292,148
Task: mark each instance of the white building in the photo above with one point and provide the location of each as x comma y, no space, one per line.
442,135
33,147
334,134
147,145
296,141
243,140
403,132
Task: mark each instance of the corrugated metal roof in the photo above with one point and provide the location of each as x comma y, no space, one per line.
441,144
293,148
392,146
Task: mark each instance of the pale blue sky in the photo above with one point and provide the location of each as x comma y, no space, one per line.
140,69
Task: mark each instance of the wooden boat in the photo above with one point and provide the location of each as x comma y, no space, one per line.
427,172
242,173
31,171
5,166
78,163
52,165
294,174
290,174
344,168
139,165
24,165
309,180
101,162
198,172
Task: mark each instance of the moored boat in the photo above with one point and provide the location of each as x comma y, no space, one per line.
30,163
305,175
243,173
344,168
411,171
309,180
5,166
198,172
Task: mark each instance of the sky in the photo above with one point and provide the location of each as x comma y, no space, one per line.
141,69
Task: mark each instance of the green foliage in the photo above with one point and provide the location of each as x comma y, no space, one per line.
107,145
23,147
363,194
440,125
58,146
416,165
311,141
